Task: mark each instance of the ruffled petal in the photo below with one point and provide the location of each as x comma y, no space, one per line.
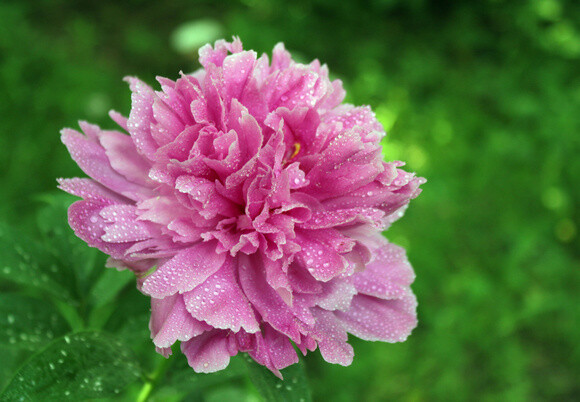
188,269
375,319
141,117
331,338
93,160
209,352
171,322
220,302
388,276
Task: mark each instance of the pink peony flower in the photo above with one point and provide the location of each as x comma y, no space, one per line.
259,199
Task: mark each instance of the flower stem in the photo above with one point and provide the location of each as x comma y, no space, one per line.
153,380
71,315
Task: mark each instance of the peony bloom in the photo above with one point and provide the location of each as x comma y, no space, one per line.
249,202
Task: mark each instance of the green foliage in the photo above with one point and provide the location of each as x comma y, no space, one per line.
294,387
27,322
26,263
76,367
482,98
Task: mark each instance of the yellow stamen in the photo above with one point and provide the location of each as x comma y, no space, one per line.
296,150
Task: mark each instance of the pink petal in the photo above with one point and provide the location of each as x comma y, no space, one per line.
375,319
119,119
188,269
171,322
141,117
237,68
122,225
321,261
88,188
124,158
84,217
208,352
331,218
332,338
266,301
388,276
220,302
92,158
336,295
273,350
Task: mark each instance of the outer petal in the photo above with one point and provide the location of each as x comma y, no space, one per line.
124,157
267,302
209,352
337,295
220,302
331,218
84,217
170,322
388,276
350,116
237,68
347,164
374,319
273,350
123,226
188,269
93,160
88,188
332,338
323,262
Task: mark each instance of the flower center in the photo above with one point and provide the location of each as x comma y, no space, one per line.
296,150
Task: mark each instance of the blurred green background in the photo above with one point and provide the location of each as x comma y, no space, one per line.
482,98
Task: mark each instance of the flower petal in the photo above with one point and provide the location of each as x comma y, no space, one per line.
171,322
93,160
220,302
208,352
375,319
332,338
188,269
124,157
141,117
388,276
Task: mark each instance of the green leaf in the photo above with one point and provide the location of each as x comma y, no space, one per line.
12,358
76,367
294,387
110,283
27,263
182,377
27,322
226,393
